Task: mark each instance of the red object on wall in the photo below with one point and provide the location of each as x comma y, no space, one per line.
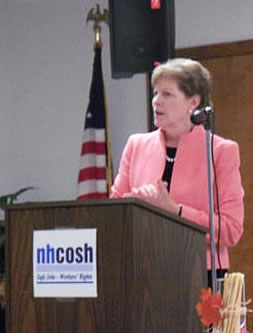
155,4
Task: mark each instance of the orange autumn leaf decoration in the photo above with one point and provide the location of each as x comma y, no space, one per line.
209,307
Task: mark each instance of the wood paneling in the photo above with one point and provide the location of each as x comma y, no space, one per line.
217,50
231,65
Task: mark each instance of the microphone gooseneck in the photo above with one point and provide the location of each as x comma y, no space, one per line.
200,116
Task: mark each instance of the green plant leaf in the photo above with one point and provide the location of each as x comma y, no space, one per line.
10,198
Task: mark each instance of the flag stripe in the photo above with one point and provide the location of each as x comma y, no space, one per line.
92,173
94,134
92,186
90,160
93,147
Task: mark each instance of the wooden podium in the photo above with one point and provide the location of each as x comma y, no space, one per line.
151,267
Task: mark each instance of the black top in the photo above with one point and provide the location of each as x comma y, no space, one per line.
167,174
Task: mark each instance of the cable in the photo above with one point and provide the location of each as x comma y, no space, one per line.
218,203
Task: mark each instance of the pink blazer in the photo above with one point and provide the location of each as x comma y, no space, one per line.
143,162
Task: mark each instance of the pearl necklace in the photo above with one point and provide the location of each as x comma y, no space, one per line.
170,159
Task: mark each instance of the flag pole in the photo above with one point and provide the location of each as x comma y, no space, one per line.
97,17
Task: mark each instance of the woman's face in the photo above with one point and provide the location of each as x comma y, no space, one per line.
172,107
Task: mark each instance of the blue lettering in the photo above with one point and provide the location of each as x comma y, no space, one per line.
50,255
88,251
79,256
41,256
69,255
59,258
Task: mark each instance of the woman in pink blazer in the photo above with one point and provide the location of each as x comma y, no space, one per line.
168,167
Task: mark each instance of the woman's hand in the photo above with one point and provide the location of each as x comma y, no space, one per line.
157,195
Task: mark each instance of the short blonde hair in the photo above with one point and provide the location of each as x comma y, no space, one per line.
192,77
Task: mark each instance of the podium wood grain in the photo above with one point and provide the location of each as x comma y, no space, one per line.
150,265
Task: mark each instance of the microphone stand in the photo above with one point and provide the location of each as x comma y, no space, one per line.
208,128
205,116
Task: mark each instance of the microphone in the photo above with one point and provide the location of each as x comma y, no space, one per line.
200,116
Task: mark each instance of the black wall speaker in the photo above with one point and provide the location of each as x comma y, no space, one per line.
140,35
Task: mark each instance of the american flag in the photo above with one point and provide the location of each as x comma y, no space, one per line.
93,176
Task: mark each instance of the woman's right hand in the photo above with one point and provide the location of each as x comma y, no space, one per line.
157,195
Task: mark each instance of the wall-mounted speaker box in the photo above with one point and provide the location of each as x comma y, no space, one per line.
142,32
